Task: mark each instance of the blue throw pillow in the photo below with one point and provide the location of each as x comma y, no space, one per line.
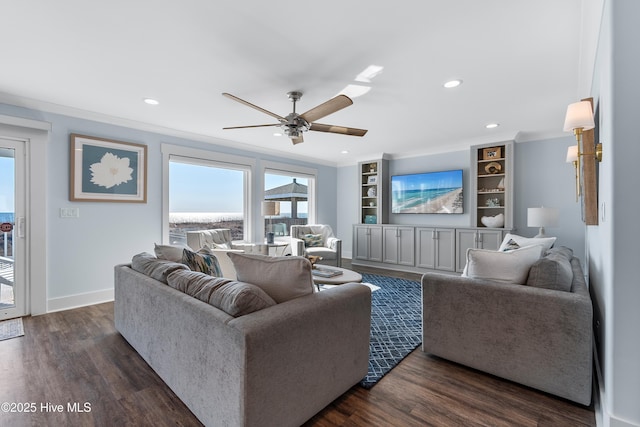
203,261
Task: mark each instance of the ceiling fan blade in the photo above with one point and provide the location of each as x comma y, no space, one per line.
329,107
248,104
297,139
250,126
338,129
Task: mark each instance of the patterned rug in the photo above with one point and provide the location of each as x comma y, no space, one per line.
396,324
11,329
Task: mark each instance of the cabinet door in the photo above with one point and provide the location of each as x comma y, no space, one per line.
445,250
375,243
425,247
390,242
361,246
489,239
406,246
465,239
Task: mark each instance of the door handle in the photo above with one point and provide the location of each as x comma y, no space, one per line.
20,226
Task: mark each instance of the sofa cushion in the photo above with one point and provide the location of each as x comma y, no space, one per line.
203,261
553,271
170,252
313,240
232,297
508,267
547,242
153,267
282,278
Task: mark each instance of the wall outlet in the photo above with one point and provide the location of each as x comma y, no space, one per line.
69,212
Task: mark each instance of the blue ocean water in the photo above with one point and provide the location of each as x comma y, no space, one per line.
6,217
411,198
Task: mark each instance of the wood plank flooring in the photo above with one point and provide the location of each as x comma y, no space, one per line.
76,357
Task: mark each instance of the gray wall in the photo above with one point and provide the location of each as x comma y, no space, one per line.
613,244
541,178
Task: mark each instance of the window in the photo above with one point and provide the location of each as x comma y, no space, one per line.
203,193
294,191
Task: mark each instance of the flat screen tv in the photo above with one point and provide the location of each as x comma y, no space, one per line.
427,193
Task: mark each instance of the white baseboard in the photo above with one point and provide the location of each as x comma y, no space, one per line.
79,300
603,417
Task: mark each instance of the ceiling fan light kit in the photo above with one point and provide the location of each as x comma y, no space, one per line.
294,124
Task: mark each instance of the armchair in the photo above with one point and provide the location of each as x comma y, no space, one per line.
317,239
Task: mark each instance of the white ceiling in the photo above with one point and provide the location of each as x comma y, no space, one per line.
520,62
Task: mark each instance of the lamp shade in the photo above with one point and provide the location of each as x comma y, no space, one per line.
572,154
270,208
542,217
579,116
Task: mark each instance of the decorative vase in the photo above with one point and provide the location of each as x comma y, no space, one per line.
496,221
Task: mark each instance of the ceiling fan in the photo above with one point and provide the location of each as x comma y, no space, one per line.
295,124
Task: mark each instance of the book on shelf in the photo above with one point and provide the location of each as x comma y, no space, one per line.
325,272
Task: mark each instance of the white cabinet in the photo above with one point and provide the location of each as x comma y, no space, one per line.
477,239
398,244
435,248
368,242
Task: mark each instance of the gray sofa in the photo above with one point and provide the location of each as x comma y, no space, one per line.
274,367
538,337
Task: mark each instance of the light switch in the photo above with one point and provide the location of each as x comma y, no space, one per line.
69,212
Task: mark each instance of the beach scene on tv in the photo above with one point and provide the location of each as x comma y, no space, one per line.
429,193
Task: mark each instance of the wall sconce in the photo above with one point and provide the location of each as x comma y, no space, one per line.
542,217
578,119
572,157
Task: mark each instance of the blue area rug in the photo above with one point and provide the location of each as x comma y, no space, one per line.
396,324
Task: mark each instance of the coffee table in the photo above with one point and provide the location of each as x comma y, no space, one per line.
347,276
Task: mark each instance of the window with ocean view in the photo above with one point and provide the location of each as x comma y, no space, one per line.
205,194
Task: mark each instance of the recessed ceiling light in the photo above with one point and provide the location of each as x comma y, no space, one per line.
452,83
344,152
151,101
492,125
277,134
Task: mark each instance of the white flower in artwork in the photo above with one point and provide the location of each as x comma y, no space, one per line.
111,171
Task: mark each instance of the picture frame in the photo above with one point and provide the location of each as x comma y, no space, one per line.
492,153
106,170
373,179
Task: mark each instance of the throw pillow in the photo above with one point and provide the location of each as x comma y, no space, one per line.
203,261
312,240
232,297
282,278
547,242
552,271
511,245
561,250
153,267
170,252
508,267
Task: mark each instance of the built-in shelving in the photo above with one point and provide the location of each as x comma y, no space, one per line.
373,180
492,184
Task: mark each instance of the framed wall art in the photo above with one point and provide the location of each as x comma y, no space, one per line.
104,170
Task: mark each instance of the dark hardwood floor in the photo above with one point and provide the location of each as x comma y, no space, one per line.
77,360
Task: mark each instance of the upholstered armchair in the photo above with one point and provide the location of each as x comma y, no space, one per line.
318,240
